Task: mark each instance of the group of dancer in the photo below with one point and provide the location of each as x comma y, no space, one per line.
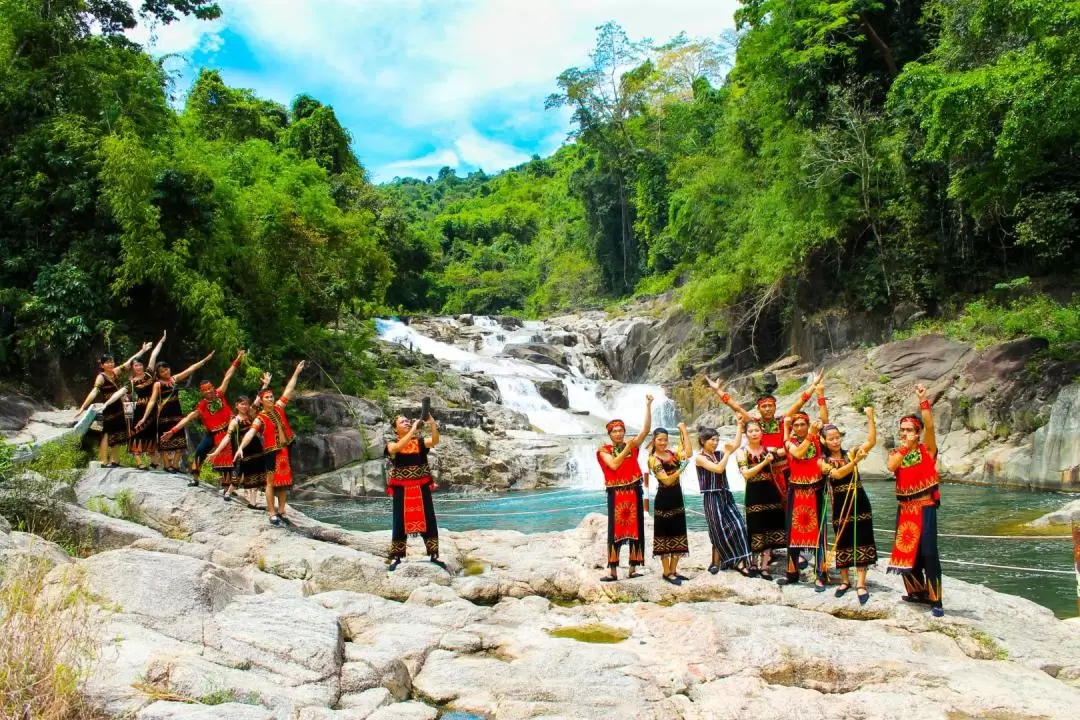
792,467
249,448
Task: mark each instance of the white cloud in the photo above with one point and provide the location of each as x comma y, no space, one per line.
437,68
436,160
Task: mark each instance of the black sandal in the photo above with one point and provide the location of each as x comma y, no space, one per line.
713,569
745,571
863,593
393,565
764,574
608,578
844,587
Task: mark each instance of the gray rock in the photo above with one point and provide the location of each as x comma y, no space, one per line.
509,322
354,706
537,353
405,711
554,391
15,411
164,710
1066,515
366,478
323,452
626,347
102,532
5,526
927,358
334,410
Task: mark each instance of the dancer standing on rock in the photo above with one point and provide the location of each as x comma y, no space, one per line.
765,517
915,550
772,429
215,414
852,516
114,426
806,493
143,443
623,480
669,512
272,425
249,474
727,530
164,404
410,484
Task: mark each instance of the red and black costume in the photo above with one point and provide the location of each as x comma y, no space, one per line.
772,440
409,483
277,436
140,389
113,421
852,517
669,510
215,416
915,550
169,414
766,521
805,505
626,510
251,468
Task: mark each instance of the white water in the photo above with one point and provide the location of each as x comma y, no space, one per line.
601,400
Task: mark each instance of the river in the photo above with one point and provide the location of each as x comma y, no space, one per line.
966,510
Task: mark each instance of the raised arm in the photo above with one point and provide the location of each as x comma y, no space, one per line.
142,351
871,433
657,469
646,426
186,372
799,450
615,461
822,405
749,471
180,425
229,373
394,447
266,377
291,385
718,387
805,397
929,438
434,427
685,451
154,395
152,362
736,443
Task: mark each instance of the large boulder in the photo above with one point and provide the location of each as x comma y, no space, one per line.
554,391
332,410
536,353
627,347
15,411
926,358
322,452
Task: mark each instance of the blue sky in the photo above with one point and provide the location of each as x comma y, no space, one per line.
421,84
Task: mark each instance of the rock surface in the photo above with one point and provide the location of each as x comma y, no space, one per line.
216,614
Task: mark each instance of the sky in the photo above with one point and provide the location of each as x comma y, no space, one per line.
422,84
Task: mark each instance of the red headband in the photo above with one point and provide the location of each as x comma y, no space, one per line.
266,392
799,415
206,384
615,424
765,399
913,418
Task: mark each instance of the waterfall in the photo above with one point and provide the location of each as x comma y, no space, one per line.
592,402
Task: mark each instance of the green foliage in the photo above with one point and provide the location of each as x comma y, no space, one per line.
790,386
985,322
863,397
60,460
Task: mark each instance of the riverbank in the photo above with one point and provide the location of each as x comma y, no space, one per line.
306,622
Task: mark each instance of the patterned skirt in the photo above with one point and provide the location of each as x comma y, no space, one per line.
727,530
114,424
669,529
278,468
765,518
145,440
853,523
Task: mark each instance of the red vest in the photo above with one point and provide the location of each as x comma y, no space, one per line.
772,439
916,475
628,473
805,470
276,432
215,420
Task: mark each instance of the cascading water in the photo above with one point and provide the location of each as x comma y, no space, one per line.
592,402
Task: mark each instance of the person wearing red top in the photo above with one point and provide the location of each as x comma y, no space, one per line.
410,484
273,427
623,480
806,493
915,550
214,412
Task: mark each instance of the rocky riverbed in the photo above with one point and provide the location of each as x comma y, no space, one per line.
201,598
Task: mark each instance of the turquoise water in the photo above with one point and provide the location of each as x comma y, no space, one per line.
965,509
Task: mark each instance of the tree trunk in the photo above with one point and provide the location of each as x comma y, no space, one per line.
886,53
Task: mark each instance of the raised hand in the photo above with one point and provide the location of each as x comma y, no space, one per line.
240,355
920,391
648,399
266,379
869,412
300,366
815,427
717,384
860,455
147,345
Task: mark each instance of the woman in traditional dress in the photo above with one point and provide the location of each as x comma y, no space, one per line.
164,404
915,550
273,426
765,522
214,413
852,516
625,502
143,443
669,513
410,484
806,493
114,425
249,474
727,529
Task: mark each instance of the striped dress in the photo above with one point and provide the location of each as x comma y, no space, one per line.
727,529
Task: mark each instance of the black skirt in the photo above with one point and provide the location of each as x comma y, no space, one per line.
853,524
669,528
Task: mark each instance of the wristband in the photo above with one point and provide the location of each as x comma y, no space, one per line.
821,401
924,405
236,363
805,396
725,398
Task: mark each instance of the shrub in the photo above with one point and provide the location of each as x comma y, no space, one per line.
863,398
789,386
48,644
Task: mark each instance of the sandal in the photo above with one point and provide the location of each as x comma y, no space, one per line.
844,587
745,571
764,574
393,565
673,579
713,569
608,578
440,563
918,598
633,574
863,593
681,577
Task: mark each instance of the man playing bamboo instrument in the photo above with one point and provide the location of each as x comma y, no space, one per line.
622,477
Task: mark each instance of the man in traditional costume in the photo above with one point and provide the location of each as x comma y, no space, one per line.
915,550
214,413
409,484
623,480
272,425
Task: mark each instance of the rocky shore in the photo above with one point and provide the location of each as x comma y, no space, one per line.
200,599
